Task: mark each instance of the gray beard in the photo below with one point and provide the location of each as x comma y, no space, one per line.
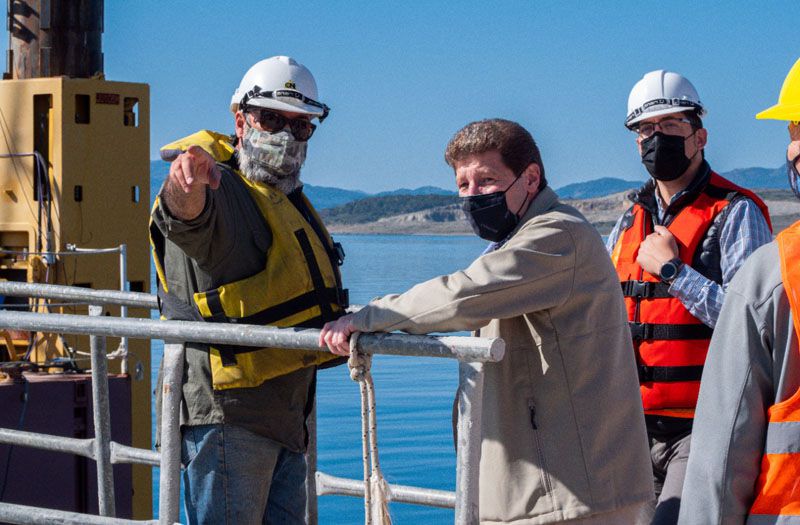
257,172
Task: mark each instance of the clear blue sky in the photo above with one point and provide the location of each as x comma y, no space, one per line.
402,77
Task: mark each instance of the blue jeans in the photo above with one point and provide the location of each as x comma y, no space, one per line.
234,476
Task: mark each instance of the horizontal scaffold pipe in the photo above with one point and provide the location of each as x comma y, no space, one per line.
23,514
139,456
327,484
78,294
80,447
463,348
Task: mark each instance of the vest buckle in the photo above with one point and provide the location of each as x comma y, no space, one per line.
641,289
641,331
344,298
339,249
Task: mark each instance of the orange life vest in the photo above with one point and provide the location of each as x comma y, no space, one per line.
671,344
778,485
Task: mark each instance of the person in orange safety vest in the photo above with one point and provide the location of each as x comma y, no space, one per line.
745,459
675,250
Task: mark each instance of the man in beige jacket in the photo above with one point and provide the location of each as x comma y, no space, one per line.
563,436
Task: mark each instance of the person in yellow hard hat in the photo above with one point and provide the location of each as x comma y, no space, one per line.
745,459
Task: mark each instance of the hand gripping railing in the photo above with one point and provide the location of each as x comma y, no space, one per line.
470,351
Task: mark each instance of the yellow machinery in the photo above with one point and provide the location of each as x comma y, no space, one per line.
74,176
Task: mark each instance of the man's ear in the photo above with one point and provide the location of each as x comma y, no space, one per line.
239,121
532,175
702,138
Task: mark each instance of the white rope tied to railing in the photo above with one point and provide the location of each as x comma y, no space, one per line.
376,490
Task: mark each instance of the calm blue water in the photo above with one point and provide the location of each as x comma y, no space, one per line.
414,395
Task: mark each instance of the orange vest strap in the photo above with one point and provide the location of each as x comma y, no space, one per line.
669,332
670,374
645,289
724,183
789,250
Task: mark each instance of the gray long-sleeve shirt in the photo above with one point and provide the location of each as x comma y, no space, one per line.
753,363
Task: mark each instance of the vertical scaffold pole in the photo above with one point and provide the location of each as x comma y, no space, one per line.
102,421
170,474
468,448
123,310
311,464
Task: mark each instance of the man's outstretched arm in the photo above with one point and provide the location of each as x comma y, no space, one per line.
184,192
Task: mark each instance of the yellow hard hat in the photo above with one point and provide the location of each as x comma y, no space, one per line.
788,106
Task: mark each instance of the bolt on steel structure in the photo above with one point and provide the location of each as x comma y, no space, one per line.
471,352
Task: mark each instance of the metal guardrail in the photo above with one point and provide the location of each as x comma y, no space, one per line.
73,250
470,351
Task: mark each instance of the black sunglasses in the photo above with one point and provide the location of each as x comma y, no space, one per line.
273,122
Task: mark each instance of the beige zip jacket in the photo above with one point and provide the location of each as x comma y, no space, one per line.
563,433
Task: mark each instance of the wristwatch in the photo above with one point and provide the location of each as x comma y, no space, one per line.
669,270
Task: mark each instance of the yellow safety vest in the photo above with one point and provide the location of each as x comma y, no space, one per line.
299,285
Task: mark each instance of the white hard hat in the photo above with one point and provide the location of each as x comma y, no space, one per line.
661,93
280,83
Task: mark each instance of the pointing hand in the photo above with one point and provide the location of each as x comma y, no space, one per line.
194,169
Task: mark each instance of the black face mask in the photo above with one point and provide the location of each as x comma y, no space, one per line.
664,156
489,215
794,176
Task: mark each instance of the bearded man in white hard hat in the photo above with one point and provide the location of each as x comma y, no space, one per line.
229,202
745,455
675,250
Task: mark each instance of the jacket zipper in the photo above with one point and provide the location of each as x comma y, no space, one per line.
543,464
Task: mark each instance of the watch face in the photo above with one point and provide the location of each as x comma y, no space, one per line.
668,271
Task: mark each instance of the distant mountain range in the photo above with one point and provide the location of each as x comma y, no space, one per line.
596,188
759,178
752,178
324,197
377,207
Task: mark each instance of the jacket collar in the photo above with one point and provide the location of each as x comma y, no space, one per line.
646,195
542,202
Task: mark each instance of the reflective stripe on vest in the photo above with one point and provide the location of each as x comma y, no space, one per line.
778,486
299,286
671,344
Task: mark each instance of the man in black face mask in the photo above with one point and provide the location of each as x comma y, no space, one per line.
563,437
675,250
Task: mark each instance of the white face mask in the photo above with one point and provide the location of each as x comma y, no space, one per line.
274,158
